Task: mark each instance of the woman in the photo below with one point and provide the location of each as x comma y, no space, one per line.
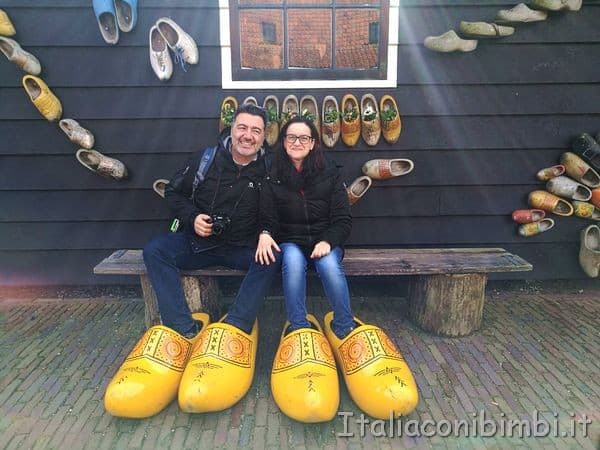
305,207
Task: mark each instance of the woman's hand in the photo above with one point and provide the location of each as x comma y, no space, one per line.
264,250
321,249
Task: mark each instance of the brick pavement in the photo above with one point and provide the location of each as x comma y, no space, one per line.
536,353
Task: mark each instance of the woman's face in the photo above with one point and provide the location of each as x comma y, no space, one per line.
295,149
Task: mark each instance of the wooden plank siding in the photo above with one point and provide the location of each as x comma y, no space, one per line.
478,127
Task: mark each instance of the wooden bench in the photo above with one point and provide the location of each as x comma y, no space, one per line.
446,289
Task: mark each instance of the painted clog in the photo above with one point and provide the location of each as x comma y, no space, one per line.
148,379
101,164
587,147
550,172
531,229
520,13
6,26
19,57
126,12
449,42
391,125
76,133
358,188
228,107
290,108
220,370
350,120
549,203
595,200
330,121
568,188
589,250
309,109
271,106
376,375
304,380
383,169
370,127
586,210
159,186
250,100
485,29
42,97
528,215
579,170
106,17
558,5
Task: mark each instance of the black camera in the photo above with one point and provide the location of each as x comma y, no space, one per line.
220,222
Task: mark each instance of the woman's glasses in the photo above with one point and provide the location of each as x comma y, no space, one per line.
291,138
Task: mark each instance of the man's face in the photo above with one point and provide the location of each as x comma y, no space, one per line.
247,137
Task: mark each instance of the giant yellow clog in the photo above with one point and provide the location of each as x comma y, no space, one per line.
149,378
220,370
377,377
304,379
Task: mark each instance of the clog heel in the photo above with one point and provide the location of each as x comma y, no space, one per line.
148,379
220,370
377,377
304,380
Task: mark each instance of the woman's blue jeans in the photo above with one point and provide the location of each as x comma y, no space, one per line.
331,272
166,255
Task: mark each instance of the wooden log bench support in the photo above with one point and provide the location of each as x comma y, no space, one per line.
446,291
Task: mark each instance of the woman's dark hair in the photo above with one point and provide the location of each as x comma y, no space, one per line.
314,161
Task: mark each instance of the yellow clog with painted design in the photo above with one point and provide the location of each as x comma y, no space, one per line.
42,97
304,379
220,370
377,377
148,380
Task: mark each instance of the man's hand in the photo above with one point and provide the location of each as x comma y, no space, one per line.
264,250
321,249
203,225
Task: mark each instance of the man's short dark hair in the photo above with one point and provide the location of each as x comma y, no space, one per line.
249,108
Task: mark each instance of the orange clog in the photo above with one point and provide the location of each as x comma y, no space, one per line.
391,125
550,203
528,215
595,200
350,120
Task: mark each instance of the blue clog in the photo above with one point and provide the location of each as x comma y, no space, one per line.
107,20
126,14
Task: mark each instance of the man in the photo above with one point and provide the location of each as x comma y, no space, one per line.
219,215
230,191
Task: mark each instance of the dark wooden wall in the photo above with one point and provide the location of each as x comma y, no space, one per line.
478,127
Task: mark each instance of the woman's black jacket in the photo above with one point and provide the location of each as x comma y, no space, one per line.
307,209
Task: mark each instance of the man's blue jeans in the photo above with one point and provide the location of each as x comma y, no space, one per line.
166,255
331,272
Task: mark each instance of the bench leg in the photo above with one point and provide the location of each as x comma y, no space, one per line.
201,294
447,304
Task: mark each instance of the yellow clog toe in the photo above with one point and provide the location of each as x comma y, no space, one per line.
220,370
148,379
377,377
304,380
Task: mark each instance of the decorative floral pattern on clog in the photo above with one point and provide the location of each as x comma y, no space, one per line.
302,347
224,344
367,346
164,346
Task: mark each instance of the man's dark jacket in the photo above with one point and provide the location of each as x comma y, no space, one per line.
228,189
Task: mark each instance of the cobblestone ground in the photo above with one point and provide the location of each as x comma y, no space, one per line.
535,356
